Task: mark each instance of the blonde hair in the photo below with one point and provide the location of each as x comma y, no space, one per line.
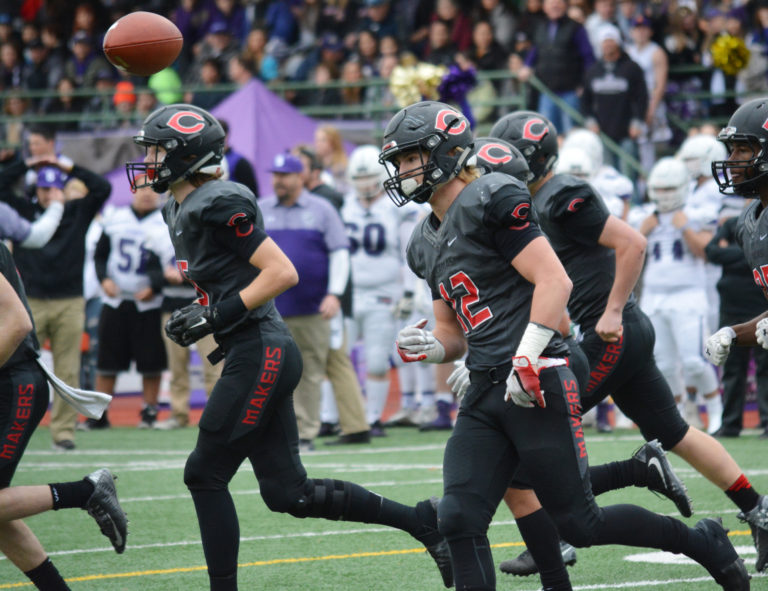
338,157
469,174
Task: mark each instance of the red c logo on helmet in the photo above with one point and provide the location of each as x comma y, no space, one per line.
530,133
765,124
575,204
485,154
175,122
442,125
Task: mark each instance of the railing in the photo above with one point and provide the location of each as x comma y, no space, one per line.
375,113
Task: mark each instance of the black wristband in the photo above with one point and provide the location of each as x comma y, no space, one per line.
228,311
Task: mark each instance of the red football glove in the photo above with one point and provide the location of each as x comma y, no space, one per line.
523,386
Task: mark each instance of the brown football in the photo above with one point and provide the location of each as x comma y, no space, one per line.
142,43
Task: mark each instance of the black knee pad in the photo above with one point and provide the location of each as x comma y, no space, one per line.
456,519
200,473
325,498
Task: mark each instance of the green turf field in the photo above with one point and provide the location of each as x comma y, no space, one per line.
279,552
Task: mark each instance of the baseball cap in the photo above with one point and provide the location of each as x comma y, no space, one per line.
81,36
641,21
608,31
124,92
218,27
50,176
286,163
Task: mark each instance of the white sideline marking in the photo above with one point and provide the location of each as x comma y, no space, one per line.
635,584
661,557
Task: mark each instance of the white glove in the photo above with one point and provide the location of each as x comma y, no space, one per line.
459,380
416,344
529,374
404,307
761,332
719,345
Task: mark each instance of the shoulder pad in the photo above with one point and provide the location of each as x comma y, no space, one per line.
224,203
564,195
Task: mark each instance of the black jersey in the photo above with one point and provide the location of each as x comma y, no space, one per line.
752,236
572,215
29,347
465,259
214,231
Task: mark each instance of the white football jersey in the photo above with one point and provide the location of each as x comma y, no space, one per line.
670,264
131,242
378,236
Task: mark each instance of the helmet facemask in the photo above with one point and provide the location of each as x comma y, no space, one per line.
753,170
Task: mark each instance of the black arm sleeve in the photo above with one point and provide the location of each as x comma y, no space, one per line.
9,174
99,188
155,272
101,256
243,174
724,255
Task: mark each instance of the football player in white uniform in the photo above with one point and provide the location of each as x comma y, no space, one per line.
698,152
608,181
674,287
378,232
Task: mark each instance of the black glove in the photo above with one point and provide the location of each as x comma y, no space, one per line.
190,324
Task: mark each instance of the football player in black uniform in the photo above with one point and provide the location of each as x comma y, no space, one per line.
604,257
221,247
23,401
745,174
498,287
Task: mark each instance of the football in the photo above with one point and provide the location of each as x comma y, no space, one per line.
142,43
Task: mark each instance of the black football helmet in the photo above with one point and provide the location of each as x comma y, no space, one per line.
534,135
748,124
496,155
434,129
192,138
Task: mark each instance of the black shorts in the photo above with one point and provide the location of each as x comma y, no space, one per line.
492,439
24,399
627,371
126,335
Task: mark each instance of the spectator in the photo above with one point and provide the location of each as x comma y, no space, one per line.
124,101
84,64
322,74
85,19
486,52
40,73
310,232
99,111
739,301
211,77
146,102
342,398
232,14
388,45
11,66
239,169
239,70
129,268
560,55
15,106
502,20
166,86
379,19
604,14
218,44
615,99
440,51
330,149
282,24
53,275
191,17
352,77
255,53
367,54
655,65
35,234
459,24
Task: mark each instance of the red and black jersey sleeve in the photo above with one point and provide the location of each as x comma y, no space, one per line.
509,216
581,209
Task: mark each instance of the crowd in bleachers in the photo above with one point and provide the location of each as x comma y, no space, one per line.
55,45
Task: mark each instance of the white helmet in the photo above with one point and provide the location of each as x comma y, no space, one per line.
365,173
589,142
668,184
698,152
574,161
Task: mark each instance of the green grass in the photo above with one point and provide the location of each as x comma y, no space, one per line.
279,552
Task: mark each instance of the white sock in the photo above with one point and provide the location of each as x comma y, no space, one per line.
377,392
714,406
328,411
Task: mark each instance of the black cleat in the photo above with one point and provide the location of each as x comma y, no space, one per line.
439,550
524,565
662,478
732,576
757,518
104,507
